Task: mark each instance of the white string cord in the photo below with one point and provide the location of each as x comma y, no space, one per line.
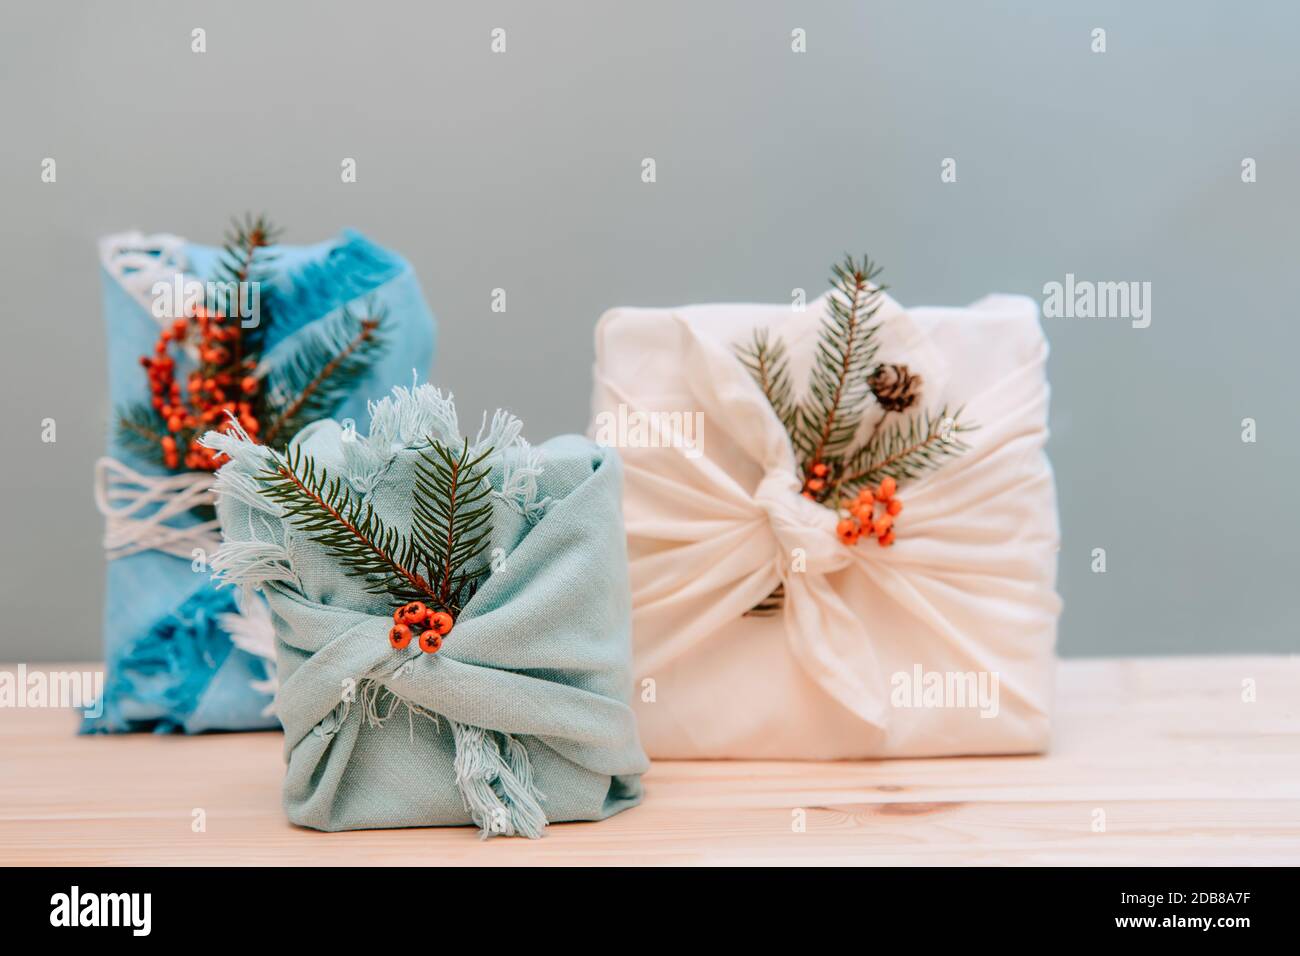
138,262
137,509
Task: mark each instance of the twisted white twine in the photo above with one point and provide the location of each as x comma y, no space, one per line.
137,507
138,262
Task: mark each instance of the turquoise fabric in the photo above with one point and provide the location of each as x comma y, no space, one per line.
170,665
523,716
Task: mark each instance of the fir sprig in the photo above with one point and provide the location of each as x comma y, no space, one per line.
905,450
245,251
322,368
827,420
438,563
319,376
769,365
452,517
334,516
824,425
246,256
140,430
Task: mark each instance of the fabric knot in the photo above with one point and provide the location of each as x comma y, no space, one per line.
804,531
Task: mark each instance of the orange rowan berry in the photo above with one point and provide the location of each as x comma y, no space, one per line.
887,488
884,523
411,614
820,470
439,621
816,484
886,539
848,531
399,635
430,642
894,506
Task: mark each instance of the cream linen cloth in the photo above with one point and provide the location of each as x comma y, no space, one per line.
967,594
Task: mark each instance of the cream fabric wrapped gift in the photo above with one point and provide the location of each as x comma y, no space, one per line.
939,645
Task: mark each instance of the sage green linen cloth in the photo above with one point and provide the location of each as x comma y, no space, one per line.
523,717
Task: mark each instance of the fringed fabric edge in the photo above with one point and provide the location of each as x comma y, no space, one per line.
493,772
350,269
168,668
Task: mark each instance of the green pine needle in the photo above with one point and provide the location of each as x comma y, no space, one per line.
824,425
769,365
322,373
246,257
826,421
334,516
439,562
904,450
140,430
452,518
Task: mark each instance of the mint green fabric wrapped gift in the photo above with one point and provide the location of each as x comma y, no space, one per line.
522,718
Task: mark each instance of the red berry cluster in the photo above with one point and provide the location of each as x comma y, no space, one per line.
814,481
221,386
436,625
863,520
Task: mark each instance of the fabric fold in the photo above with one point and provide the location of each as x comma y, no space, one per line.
171,665
968,590
523,717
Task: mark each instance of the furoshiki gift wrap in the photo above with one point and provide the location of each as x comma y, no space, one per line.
939,645
522,718
171,661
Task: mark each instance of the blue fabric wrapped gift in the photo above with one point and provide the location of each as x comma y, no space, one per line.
171,662
523,717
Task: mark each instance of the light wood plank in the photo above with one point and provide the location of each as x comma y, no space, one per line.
1185,770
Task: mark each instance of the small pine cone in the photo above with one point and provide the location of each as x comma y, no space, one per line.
895,387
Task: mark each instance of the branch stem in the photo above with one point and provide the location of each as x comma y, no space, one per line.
911,449
859,281
368,327
412,577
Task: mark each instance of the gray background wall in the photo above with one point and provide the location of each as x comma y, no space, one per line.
522,171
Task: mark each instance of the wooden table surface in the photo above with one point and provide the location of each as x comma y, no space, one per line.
1171,755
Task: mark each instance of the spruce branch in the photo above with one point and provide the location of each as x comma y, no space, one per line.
245,251
905,450
246,257
452,518
322,373
769,365
827,420
327,510
823,426
770,605
141,430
